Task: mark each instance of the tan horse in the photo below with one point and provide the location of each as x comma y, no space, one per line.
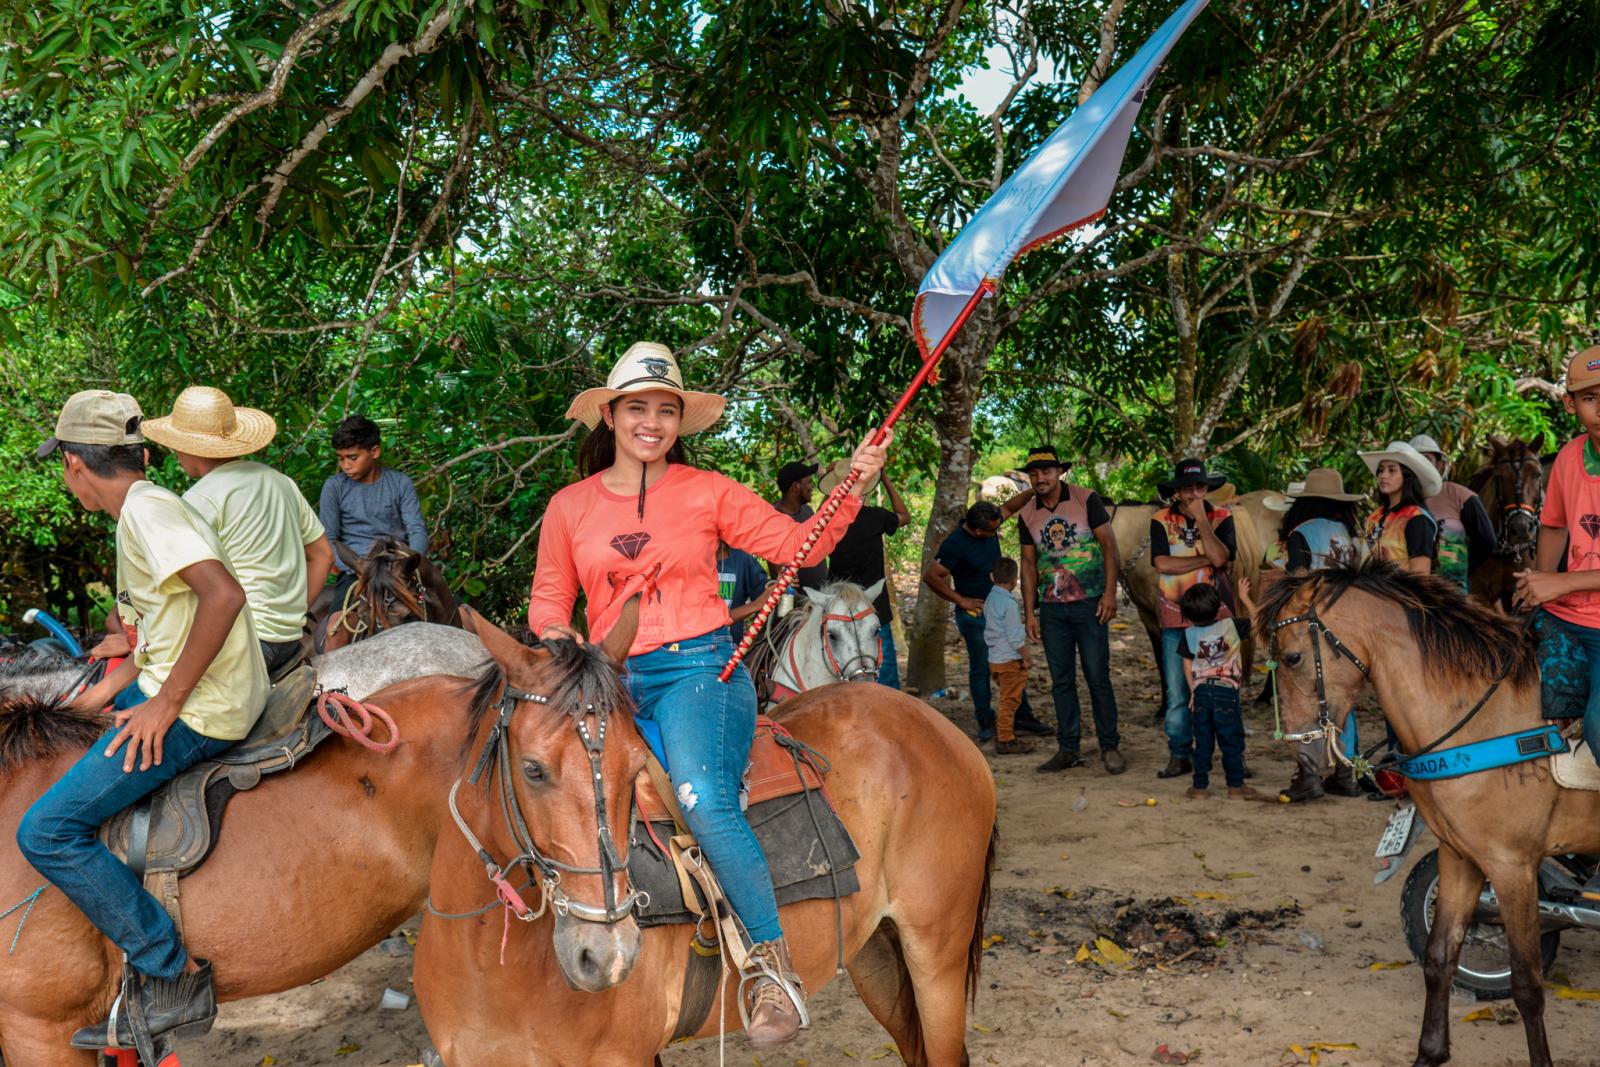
917,798
1432,655
312,868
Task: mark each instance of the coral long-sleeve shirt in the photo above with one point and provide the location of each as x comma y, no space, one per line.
593,539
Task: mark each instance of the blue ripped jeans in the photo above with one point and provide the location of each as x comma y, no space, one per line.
57,836
706,729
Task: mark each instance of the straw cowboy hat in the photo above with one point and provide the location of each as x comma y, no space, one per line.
646,366
1402,453
1325,483
205,423
1425,444
837,472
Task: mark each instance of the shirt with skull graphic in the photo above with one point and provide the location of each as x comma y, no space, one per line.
1071,564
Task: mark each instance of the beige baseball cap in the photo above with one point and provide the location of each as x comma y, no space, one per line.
96,417
1583,370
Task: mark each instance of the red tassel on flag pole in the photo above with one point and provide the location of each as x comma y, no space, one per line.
830,507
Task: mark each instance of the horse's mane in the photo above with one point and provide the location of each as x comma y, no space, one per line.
1461,641
17,660
33,729
582,676
378,577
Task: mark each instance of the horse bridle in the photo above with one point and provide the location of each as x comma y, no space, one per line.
1516,549
1326,729
496,758
870,665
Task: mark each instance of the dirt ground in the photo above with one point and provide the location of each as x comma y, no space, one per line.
1259,922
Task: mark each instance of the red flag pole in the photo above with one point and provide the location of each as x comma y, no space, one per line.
830,507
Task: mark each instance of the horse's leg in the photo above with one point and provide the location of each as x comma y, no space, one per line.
32,1042
936,958
1460,882
1518,891
884,983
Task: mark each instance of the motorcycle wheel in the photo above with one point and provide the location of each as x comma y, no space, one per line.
1484,969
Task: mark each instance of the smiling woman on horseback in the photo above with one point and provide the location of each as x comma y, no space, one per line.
1402,530
643,521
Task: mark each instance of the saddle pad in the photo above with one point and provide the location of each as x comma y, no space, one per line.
804,864
1576,769
771,774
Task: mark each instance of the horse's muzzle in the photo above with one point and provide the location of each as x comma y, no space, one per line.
1521,528
1314,757
596,956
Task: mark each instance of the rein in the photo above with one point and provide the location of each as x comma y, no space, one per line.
495,759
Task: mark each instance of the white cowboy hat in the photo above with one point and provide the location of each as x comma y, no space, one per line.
1402,453
204,422
1324,483
1425,444
643,367
837,472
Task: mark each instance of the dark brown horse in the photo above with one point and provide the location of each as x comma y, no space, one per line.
1432,655
582,984
1511,486
313,867
394,584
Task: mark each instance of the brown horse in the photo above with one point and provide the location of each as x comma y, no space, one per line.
313,867
1511,485
917,798
394,584
1432,655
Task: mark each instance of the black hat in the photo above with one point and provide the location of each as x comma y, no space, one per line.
1042,458
1190,472
792,472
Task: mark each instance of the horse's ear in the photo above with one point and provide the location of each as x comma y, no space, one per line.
620,639
412,561
347,556
506,650
815,596
874,589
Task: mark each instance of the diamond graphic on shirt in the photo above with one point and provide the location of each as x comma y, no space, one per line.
1590,525
630,545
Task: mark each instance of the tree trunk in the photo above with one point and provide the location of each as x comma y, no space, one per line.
961,371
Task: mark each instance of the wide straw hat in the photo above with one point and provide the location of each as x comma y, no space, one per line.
647,366
1402,453
1325,483
205,423
837,472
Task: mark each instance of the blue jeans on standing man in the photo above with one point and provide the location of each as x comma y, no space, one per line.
1178,727
1218,723
971,629
707,728
889,670
58,836
1071,632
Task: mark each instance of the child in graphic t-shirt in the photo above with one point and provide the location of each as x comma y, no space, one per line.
1214,668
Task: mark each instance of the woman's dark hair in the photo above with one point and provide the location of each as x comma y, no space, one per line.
1307,508
599,451
357,431
1410,491
105,461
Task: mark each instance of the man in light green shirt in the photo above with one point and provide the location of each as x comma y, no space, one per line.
273,538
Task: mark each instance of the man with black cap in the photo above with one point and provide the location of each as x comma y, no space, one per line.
794,499
1069,595
1191,543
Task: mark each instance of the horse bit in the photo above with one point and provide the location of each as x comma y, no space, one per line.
496,757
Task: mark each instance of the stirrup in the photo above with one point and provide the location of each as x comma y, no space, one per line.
759,969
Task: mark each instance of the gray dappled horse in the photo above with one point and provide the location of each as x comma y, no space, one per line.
833,638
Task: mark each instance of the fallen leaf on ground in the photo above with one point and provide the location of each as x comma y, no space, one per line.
1205,895
1113,952
346,1050
1234,875
1566,992
1388,965
1334,1046
1482,1015
992,940
982,1029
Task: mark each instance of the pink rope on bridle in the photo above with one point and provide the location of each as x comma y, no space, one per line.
348,717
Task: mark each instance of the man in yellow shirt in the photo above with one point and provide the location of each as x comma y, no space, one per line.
199,671
271,535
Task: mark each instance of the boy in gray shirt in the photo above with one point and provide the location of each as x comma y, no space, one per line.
366,500
1009,661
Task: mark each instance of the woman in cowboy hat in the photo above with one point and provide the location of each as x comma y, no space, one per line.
643,521
1319,530
271,536
1402,530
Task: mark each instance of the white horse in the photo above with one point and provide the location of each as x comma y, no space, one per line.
834,638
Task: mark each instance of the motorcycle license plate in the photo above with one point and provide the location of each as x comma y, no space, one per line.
1397,833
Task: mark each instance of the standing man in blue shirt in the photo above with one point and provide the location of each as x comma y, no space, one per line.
366,500
961,574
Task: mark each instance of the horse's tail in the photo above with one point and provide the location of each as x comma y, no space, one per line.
975,948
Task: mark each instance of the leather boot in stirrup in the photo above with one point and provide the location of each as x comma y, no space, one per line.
184,1006
777,1000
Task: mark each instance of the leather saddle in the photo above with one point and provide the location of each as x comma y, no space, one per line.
173,830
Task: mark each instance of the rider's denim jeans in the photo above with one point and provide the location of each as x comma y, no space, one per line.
1179,728
706,729
1589,639
889,669
57,836
1071,632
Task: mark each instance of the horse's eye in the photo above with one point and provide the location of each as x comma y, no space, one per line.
1292,659
532,771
